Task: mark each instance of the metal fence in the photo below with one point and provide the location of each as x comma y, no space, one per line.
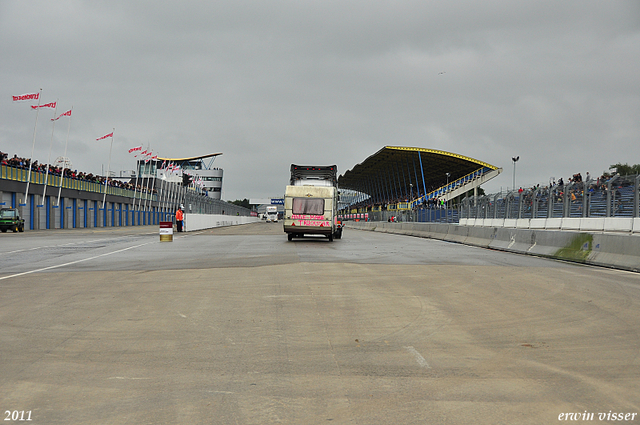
195,203
616,197
418,214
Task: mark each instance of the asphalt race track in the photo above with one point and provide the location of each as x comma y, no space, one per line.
237,325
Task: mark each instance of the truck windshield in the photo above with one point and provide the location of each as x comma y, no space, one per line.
308,206
7,213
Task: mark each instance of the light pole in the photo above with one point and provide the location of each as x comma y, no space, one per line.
411,201
514,159
446,205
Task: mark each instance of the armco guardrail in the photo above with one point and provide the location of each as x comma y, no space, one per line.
617,250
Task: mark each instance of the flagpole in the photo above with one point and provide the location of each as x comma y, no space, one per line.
161,189
46,176
173,195
33,146
140,200
153,185
160,193
165,195
135,190
141,187
146,198
170,194
64,158
106,180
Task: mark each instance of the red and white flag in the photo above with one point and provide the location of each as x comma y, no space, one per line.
148,157
105,136
66,114
134,150
31,96
51,105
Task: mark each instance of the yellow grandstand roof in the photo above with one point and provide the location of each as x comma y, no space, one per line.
401,170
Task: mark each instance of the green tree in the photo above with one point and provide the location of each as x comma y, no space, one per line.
241,203
625,169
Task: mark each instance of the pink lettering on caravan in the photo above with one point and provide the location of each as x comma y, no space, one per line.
307,217
312,223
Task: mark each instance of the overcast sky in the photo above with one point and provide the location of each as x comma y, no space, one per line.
270,83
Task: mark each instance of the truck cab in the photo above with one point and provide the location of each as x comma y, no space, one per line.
272,214
10,220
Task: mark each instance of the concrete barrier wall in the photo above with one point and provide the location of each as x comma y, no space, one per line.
617,250
588,224
208,221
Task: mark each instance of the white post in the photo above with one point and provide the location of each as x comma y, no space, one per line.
64,158
46,176
146,200
33,146
140,200
153,185
106,180
135,188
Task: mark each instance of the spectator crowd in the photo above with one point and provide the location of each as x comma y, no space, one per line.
25,164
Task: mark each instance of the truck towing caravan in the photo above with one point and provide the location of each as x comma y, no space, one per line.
311,202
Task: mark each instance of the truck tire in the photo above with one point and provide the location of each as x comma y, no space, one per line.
290,236
21,228
4,230
15,228
330,237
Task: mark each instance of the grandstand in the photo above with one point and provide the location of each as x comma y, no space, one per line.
211,178
404,178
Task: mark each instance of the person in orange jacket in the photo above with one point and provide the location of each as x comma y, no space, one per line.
179,219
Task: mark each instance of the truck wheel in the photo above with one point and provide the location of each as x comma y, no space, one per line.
21,229
15,228
330,237
4,230
290,236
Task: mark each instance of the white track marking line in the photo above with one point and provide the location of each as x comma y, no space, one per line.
126,377
421,361
64,244
75,262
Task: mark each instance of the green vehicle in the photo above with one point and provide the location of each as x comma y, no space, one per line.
10,220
